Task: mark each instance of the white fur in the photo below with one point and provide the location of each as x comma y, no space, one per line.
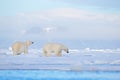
21,47
54,48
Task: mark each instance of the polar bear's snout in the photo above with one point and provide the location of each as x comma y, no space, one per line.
67,51
32,42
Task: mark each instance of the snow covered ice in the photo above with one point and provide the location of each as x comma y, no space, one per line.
77,59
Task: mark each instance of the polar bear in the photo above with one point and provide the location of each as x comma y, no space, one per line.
54,48
19,47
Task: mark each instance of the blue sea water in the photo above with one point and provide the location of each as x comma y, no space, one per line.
58,75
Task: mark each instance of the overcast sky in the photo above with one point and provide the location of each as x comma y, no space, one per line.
60,19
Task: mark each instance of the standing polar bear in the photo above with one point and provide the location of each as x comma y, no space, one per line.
54,48
19,47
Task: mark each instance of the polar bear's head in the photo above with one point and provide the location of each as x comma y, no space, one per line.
28,43
65,49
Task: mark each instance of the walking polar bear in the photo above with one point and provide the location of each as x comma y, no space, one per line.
21,47
56,48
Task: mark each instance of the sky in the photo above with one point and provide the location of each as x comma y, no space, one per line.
59,19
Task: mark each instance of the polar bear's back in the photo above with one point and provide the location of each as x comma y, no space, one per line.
17,45
52,46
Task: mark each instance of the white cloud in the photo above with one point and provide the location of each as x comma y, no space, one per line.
65,23
68,13
23,32
49,29
72,13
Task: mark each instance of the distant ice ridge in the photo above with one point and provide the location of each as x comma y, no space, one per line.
115,62
95,50
86,50
101,50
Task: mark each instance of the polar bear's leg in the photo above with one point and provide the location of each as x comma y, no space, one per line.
25,50
45,53
58,53
48,53
14,53
15,50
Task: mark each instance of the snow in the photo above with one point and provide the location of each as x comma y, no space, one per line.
77,59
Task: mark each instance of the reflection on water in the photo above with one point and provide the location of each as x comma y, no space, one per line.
58,75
